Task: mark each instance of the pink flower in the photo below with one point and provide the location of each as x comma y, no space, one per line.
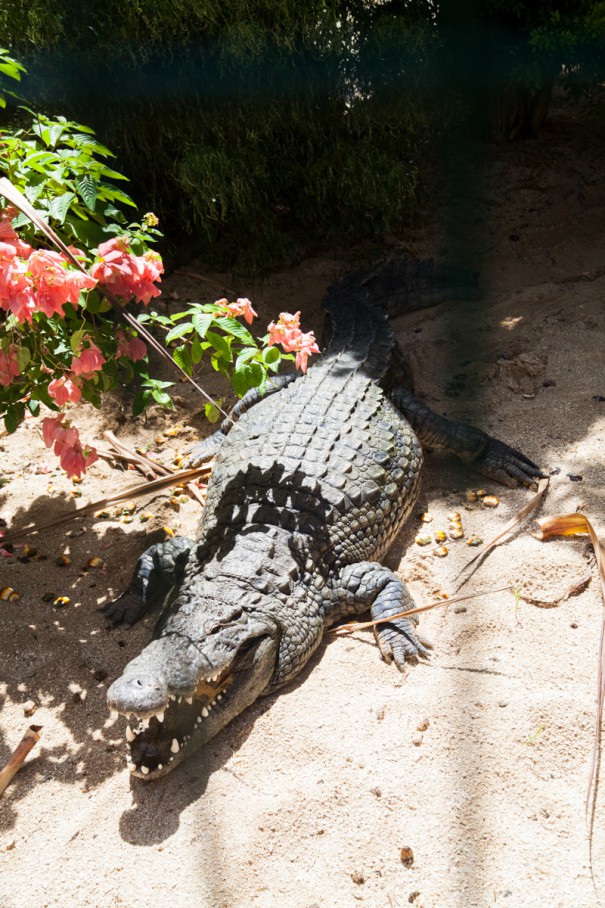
75,459
125,274
9,236
287,333
54,282
50,427
88,362
306,347
16,287
9,367
130,347
242,306
63,390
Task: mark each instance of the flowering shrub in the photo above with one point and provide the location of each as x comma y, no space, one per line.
58,309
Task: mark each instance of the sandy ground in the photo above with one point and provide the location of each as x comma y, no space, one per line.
477,760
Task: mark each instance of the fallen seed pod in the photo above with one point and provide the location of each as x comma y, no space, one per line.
426,517
441,551
454,516
456,533
60,601
95,562
145,516
30,551
423,540
63,560
127,518
474,541
440,536
481,493
471,495
491,501
8,594
168,531
101,515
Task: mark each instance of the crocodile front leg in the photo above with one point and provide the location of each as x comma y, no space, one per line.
158,569
207,448
369,585
490,457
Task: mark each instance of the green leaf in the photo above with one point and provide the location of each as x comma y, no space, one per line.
162,398
59,206
56,131
141,401
87,189
179,331
245,356
182,358
212,413
196,350
235,328
221,345
14,417
242,380
114,195
23,358
33,406
271,355
76,341
201,322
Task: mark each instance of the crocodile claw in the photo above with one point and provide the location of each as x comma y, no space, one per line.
125,610
399,641
507,466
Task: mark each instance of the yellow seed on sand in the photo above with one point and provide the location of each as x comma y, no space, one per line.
61,600
426,517
440,536
63,560
454,516
168,531
456,533
441,551
474,541
8,594
491,501
423,540
95,562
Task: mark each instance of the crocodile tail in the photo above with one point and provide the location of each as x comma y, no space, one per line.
403,284
359,333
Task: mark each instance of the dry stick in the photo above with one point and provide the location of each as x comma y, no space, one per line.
362,625
569,525
13,195
29,740
149,467
146,488
531,505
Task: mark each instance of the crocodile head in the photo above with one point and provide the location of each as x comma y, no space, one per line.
206,665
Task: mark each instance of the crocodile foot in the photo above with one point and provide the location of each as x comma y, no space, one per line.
505,465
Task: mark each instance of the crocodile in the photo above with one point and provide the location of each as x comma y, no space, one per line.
310,486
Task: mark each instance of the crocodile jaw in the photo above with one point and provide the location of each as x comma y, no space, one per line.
168,722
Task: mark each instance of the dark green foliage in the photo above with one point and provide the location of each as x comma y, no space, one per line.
252,125
263,126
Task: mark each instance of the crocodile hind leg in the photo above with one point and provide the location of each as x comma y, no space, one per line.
157,570
369,585
487,455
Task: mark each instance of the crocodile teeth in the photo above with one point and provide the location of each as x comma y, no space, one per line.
175,746
145,770
189,700
131,766
160,716
204,712
160,766
130,735
145,724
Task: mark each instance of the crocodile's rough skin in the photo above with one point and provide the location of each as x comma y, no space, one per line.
309,489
